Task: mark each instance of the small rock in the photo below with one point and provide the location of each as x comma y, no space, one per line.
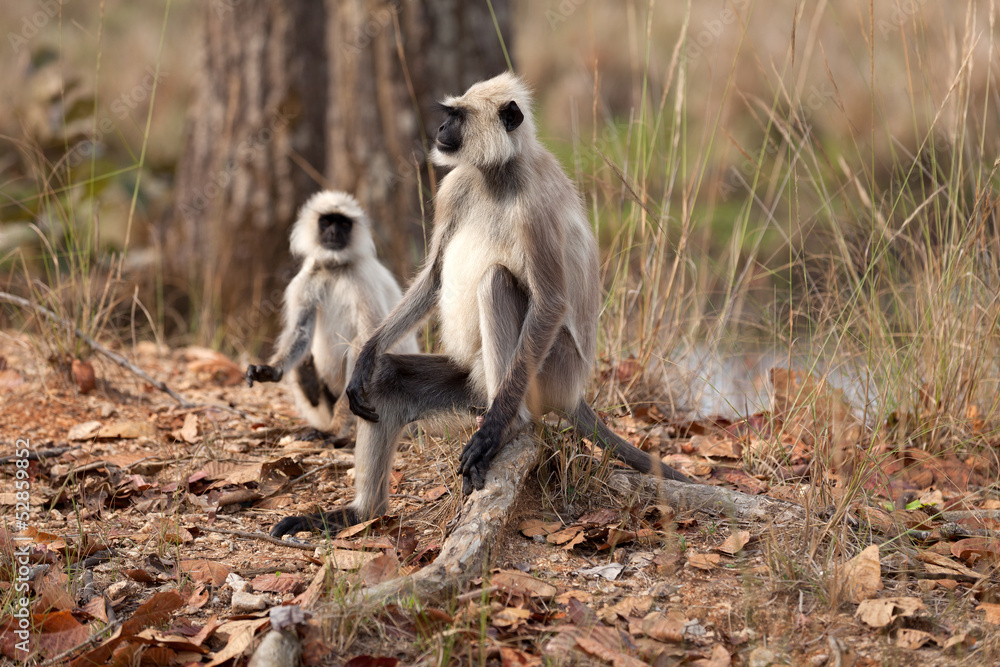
244,602
761,657
278,649
819,660
123,589
237,583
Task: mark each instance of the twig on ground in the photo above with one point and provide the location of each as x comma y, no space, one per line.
39,454
113,356
292,482
969,514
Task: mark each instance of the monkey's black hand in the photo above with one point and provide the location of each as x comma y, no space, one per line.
357,388
477,455
263,373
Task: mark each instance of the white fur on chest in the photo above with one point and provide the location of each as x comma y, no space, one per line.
467,257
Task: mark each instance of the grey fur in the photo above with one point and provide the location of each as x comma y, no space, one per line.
513,271
336,300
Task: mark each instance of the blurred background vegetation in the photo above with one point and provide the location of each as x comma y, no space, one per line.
813,179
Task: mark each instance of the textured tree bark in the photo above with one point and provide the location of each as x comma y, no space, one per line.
384,83
302,95
466,551
714,500
259,115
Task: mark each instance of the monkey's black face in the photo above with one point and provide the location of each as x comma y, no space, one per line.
335,231
449,136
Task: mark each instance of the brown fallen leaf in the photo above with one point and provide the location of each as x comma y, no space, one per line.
199,598
96,608
663,627
10,380
510,617
533,527
524,584
84,431
58,632
860,577
600,517
239,636
735,542
616,658
379,569
212,366
311,595
83,376
278,583
720,658
630,606
992,612
936,563
913,639
971,549
189,431
717,446
512,657
171,640
205,571
206,631
435,493
881,612
703,561
570,536
154,611
349,559
53,596
581,596
128,430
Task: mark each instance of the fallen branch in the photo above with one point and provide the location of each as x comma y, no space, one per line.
714,500
465,552
112,356
40,454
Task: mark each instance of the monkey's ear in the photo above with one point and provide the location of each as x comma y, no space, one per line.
511,116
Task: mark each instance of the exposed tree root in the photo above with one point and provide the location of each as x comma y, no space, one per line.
714,500
466,551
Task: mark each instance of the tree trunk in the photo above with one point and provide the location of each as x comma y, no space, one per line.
258,117
290,91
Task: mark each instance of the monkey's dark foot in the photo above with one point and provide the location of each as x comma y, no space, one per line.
476,457
324,439
263,373
327,522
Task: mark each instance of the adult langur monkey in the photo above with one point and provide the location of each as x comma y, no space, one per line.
336,300
513,270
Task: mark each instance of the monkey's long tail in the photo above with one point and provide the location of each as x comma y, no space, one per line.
589,425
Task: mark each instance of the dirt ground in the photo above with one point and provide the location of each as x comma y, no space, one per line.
127,493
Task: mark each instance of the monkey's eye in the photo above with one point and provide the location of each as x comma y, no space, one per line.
328,220
450,112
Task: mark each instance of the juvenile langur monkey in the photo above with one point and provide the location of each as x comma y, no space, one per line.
334,303
513,271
